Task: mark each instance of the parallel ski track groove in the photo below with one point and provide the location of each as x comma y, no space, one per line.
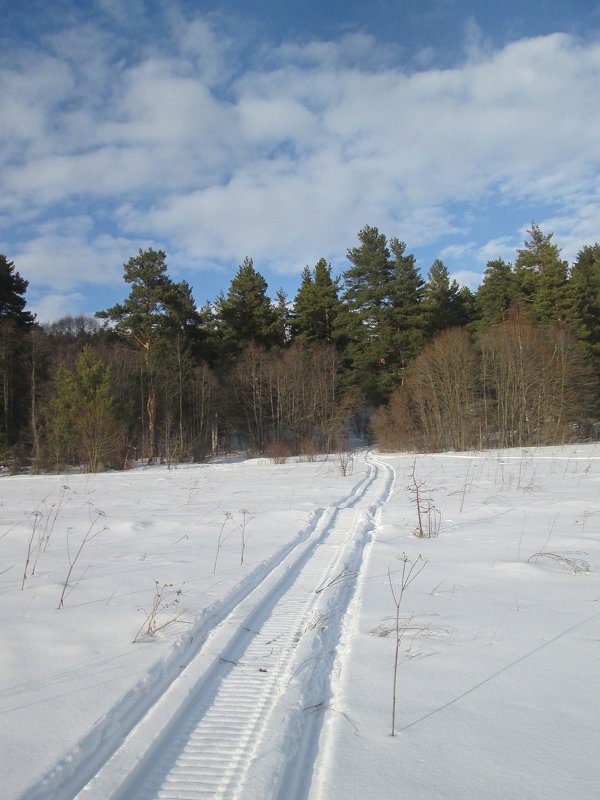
204,748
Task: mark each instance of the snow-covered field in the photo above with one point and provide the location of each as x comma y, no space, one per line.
273,678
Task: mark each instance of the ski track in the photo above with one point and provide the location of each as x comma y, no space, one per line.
204,733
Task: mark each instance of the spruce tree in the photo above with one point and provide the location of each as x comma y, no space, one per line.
584,290
304,304
316,305
284,318
496,294
83,424
409,318
444,304
541,277
246,315
584,285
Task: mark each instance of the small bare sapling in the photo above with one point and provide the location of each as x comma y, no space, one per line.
345,460
410,570
429,518
242,527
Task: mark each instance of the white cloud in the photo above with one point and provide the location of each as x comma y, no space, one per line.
467,277
51,307
503,247
62,260
287,161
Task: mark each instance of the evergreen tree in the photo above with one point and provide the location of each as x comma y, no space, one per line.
380,323
409,318
12,290
82,419
284,318
302,317
496,294
541,277
443,302
158,317
16,325
584,284
246,315
156,307
584,289
364,325
316,305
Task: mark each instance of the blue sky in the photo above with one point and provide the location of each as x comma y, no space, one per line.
276,130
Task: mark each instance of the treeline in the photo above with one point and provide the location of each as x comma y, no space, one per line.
418,361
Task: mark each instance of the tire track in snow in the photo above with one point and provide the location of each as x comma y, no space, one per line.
115,774
206,750
316,693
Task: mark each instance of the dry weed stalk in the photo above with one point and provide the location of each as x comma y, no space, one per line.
89,535
343,575
241,526
166,601
576,566
410,570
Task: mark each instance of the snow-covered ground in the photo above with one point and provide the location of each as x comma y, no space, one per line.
273,678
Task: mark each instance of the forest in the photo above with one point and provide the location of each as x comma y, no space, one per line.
381,352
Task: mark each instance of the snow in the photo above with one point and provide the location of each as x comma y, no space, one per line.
276,681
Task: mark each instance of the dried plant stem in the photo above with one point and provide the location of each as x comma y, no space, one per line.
220,539
72,561
34,525
410,570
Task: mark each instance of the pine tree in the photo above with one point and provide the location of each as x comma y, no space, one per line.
364,326
16,324
158,317
12,290
381,323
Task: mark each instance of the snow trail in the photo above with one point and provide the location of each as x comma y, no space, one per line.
253,678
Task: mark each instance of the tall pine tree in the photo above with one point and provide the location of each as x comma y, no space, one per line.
16,323
380,321
158,317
